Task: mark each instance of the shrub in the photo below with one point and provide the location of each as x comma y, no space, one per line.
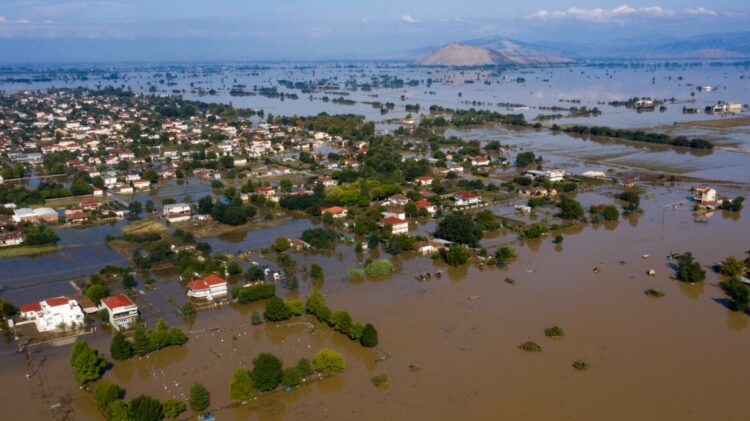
355,273
276,310
319,237
106,392
581,365
530,346
281,244
505,253
296,307
256,319
456,255
173,408
379,267
329,361
188,310
241,386
200,399
266,373
381,380
86,362
291,377
689,270
253,293
316,272
305,367
369,336
145,408
738,293
651,292
555,332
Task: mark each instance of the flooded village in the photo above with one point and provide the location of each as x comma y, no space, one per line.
374,240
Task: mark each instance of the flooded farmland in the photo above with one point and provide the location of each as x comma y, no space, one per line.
450,344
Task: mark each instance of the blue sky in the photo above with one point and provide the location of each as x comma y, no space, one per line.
86,30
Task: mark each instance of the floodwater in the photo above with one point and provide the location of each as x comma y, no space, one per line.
677,357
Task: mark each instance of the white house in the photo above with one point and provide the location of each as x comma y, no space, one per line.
122,311
210,287
394,212
427,205
141,184
53,314
335,211
704,195
480,161
464,198
12,238
551,175
177,212
424,180
398,226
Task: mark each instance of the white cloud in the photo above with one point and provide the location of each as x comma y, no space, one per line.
408,18
3,19
23,21
700,11
600,15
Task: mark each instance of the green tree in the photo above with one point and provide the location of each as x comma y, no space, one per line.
86,362
689,270
305,367
118,411
200,399
146,408
738,293
570,209
141,343
341,321
121,348
379,267
173,408
369,336
106,392
459,228
291,377
276,310
732,267
316,271
329,361
281,244
266,372
456,255
241,386
135,207
96,292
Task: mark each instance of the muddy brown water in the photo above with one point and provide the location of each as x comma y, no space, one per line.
682,356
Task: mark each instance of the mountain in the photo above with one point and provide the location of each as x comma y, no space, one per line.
713,46
515,48
464,54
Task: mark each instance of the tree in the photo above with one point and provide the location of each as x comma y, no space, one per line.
610,213
341,321
188,310
200,399
369,336
456,255
141,343
296,307
281,244
732,267
328,361
35,235
487,221
96,292
459,228
305,367
118,411
135,207
379,267
738,293
266,372
320,238
570,208
316,271
689,270
291,377
121,348
632,199
255,318
241,386
173,408
106,392
276,310
505,253
86,362
146,408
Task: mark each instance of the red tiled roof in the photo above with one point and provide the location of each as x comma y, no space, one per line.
57,301
423,203
205,283
35,307
393,221
334,210
465,195
116,301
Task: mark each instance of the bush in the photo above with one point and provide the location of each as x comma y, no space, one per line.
328,361
570,209
369,336
738,293
379,267
145,408
530,347
355,273
86,362
296,307
534,231
651,292
555,332
266,373
319,237
731,267
281,244
106,392
188,310
341,321
39,234
316,272
255,318
505,253
456,255
173,408
381,380
241,386
689,270
291,377
200,399
305,367
276,310
581,365
253,293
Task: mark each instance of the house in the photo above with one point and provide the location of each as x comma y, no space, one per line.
644,103
425,180
12,238
537,192
725,107
177,212
551,175
704,195
122,311
53,314
75,216
426,205
89,203
326,181
428,247
123,188
480,161
141,184
208,288
464,198
335,211
394,212
398,226
396,200
47,215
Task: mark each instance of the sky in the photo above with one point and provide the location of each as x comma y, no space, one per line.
250,30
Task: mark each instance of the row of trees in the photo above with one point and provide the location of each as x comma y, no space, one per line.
145,341
641,136
341,321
